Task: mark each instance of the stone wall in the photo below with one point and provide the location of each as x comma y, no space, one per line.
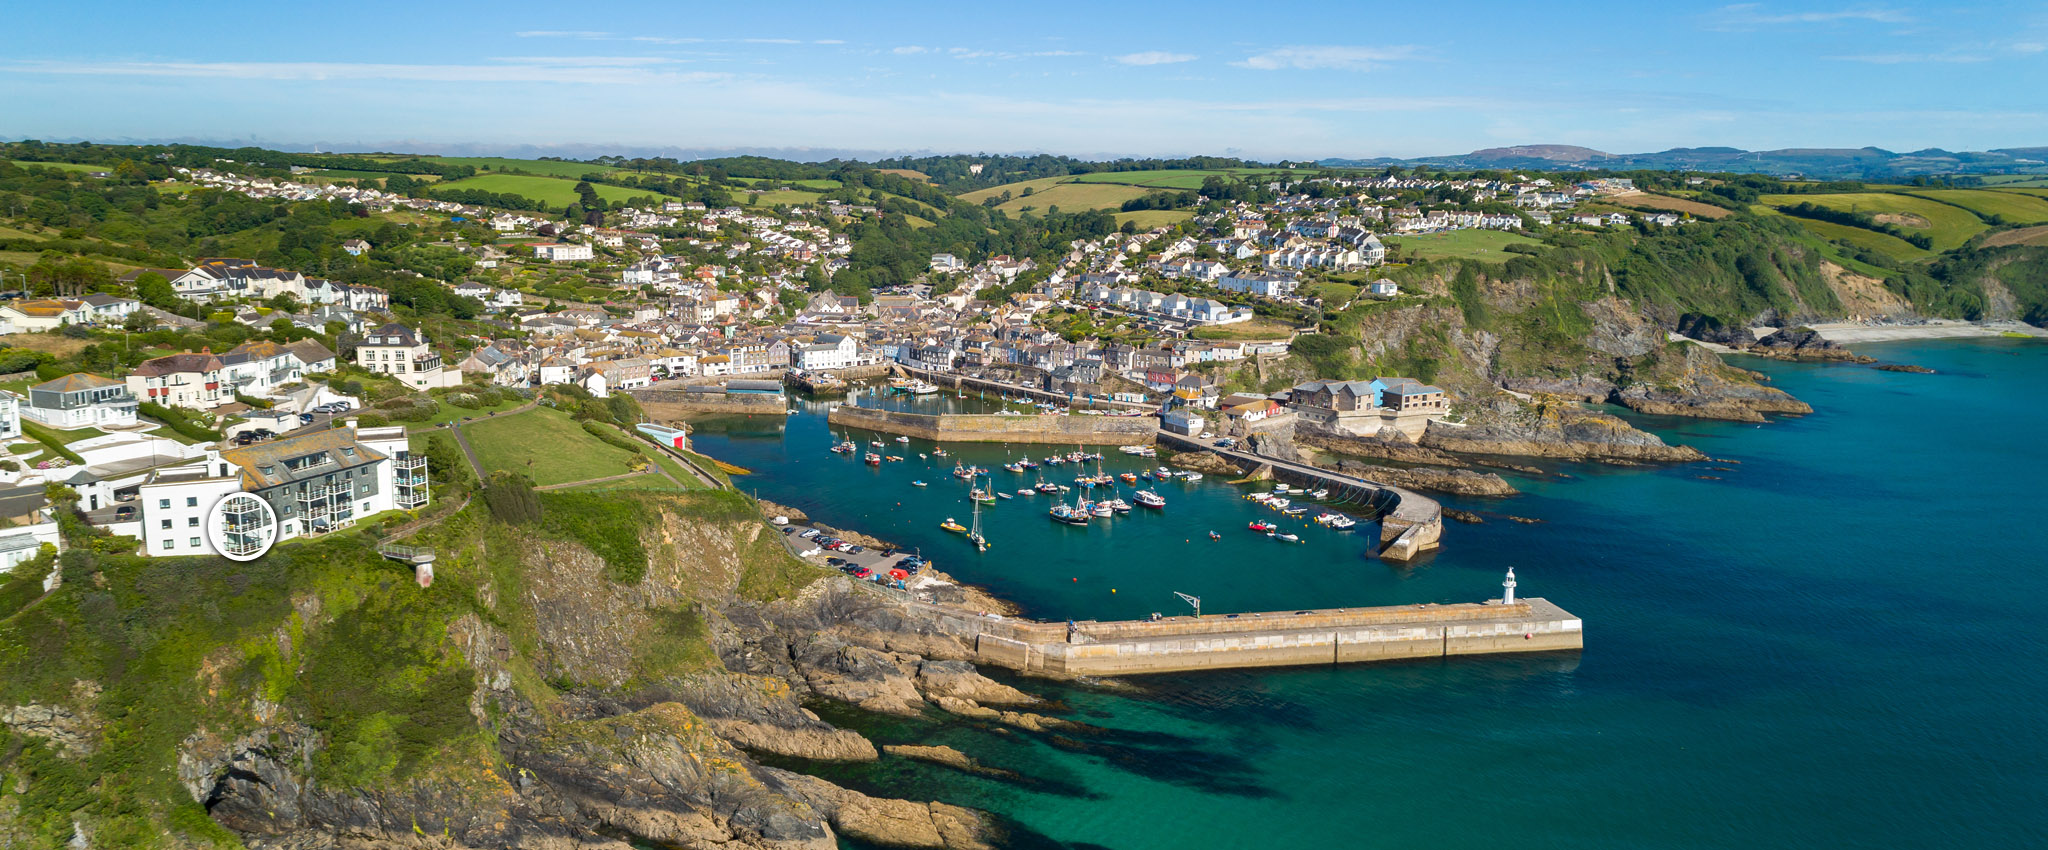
994,428
667,400
1277,639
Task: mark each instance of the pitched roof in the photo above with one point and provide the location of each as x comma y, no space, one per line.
76,382
263,464
174,363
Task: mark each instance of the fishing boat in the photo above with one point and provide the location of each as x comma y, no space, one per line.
875,443
960,471
1068,515
1129,477
1101,509
1255,525
1119,505
1028,463
874,459
1193,476
903,439
952,526
979,495
917,484
844,447
1013,467
938,452
1150,499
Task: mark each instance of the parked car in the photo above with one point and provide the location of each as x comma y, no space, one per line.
856,549
808,533
788,530
835,562
863,572
305,419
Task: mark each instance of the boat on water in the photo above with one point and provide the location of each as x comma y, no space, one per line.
1013,467
1342,523
1215,536
1027,492
980,495
1193,476
1288,538
1320,493
1068,515
1028,463
1003,495
1294,511
938,452
960,471
917,484
1282,489
903,439
1277,503
844,447
893,458
875,443
1255,525
1129,477
1150,499
950,525
873,459
1120,506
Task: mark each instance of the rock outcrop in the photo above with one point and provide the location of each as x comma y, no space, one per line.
1462,482
1555,429
1804,344
1207,463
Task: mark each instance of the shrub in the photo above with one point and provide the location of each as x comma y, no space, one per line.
610,436
465,401
184,422
511,498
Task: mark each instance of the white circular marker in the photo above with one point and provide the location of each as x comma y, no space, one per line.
241,527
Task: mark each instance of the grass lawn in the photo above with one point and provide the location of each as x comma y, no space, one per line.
451,413
168,434
1257,328
62,166
2016,207
1332,292
1475,244
1148,219
545,444
1948,226
554,191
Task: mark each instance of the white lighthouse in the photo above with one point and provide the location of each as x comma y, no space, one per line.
1507,588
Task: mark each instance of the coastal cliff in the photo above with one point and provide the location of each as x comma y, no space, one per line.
603,676
1554,429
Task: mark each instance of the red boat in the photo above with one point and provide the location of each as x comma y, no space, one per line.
874,459
1261,526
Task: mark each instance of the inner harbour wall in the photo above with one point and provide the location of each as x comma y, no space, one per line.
997,428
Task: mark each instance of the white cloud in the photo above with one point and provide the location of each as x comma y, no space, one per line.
2029,47
908,50
1752,15
1155,57
829,41
1331,57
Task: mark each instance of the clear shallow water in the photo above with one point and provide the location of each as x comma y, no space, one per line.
1836,645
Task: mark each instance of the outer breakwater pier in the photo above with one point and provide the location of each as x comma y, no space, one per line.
1270,639
1000,427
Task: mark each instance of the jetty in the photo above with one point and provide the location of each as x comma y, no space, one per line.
1265,639
1410,523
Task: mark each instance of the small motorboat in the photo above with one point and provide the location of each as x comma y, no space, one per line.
875,443
903,439
1026,492
1193,476
952,526
1343,523
873,459
1002,495
1278,504
917,484
1260,525
1288,538
1320,493
922,456
1129,478
1215,536
1294,511
893,458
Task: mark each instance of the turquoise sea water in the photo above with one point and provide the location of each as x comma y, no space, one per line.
1838,644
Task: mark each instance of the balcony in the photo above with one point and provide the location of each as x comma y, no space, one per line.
410,461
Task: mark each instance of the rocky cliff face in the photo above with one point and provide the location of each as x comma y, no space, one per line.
1554,430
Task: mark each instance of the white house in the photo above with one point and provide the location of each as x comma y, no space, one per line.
81,400
827,352
397,350
562,252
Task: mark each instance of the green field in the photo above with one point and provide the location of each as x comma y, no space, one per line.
499,163
789,197
1074,197
553,191
1869,240
1257,328
345,174
1948,226
544,444
62,166
1484,245
1331,291
2015,207
1148,219
821,184
1015,189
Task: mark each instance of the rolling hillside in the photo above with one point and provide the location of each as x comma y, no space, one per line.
553,191
1948,226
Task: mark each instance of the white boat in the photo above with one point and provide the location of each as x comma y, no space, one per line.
1193,476
1277,503
1150,499
1342,522
1002,495
903,439
1102,509
1289,538
1320,493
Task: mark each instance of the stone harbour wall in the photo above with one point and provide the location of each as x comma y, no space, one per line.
994,428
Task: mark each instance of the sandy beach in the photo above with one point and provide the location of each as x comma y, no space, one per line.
1853,332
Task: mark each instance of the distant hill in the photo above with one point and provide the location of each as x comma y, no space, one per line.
1826,163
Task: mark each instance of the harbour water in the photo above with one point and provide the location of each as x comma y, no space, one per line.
1834,644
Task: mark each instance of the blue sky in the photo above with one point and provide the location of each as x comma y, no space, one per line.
1266,80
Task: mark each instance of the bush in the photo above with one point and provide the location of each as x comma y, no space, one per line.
184,422
610,436
409,408
371,419
511,498
465,401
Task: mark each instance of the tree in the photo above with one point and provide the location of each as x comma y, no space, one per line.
139,321
152,289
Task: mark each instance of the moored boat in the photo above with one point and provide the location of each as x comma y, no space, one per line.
1150,499
873,459
952,526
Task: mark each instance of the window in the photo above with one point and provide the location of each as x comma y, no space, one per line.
163,503
195,542
170,544
192,522
191,501
167,523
